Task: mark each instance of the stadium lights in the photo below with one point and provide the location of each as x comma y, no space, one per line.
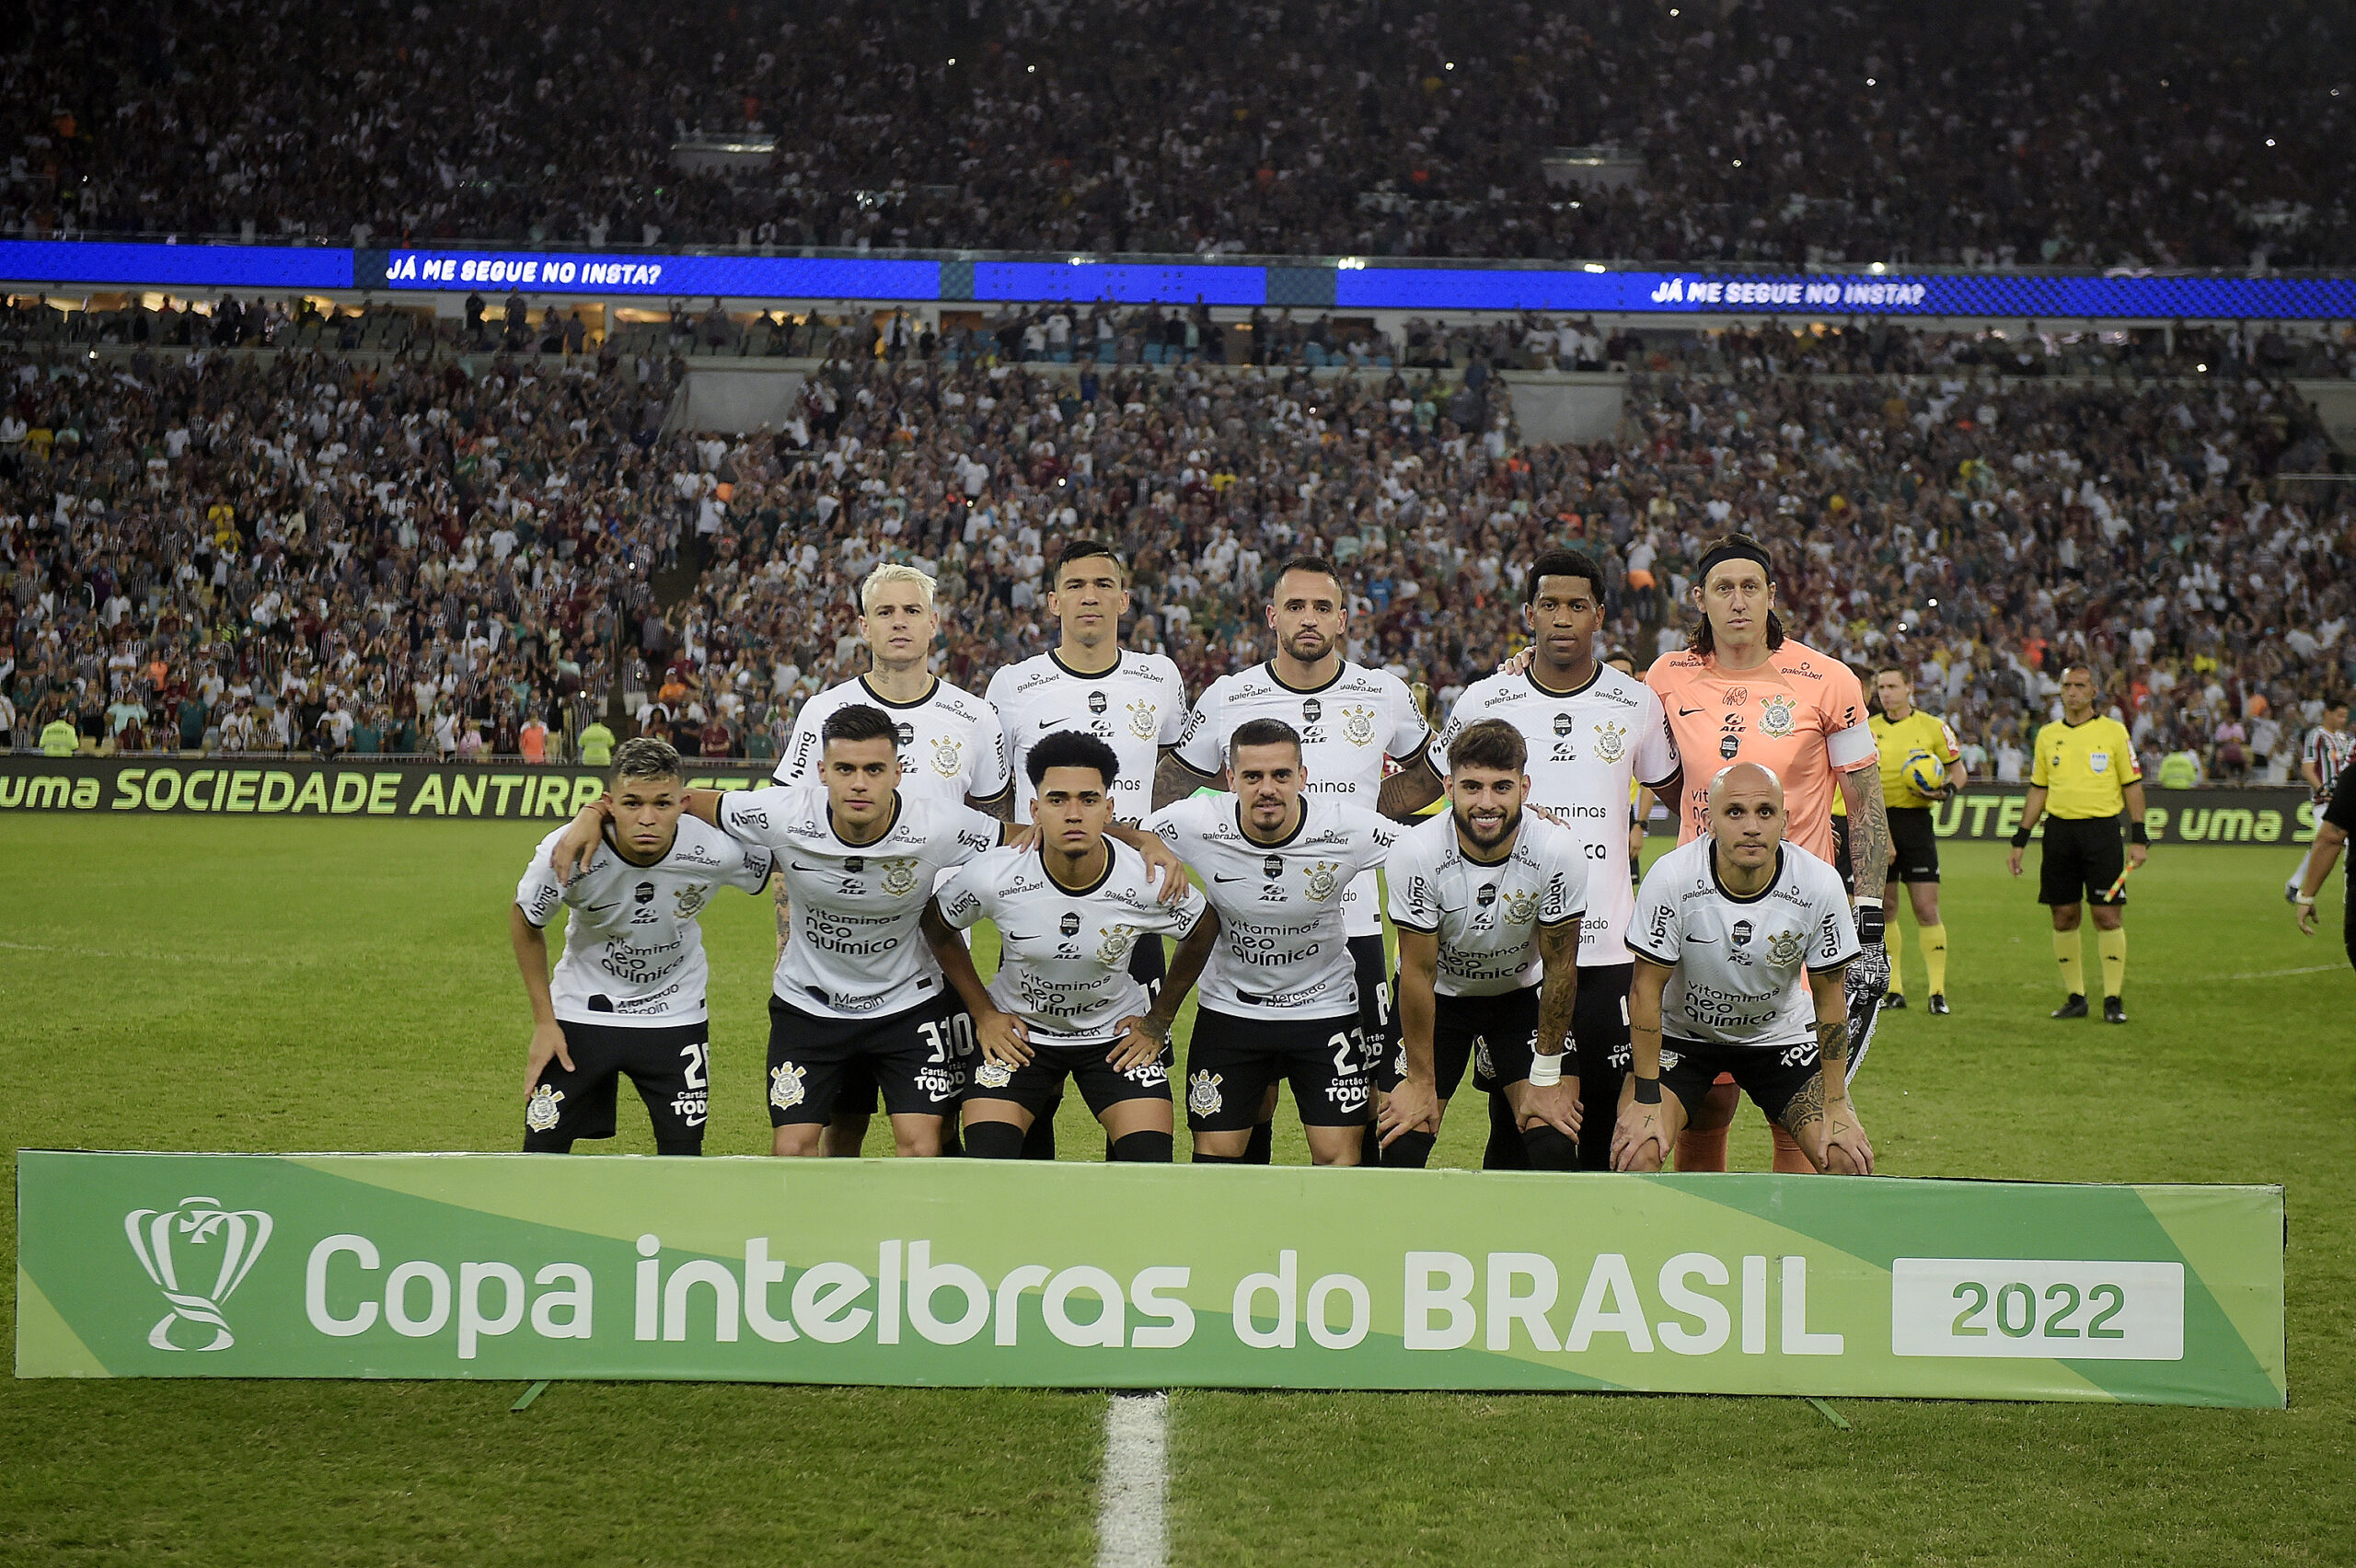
1878,268
1738,163
1451,64
1870,82
1595,267
2270,141
1934,603
1351,264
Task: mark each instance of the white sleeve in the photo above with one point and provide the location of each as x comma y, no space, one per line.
960,894
1449,729
752,869
991,774
1201,746
1174,707
755,816
977,834
539,894
1380,830
1178,919
1410,736
800,763
1565,896
1655,930
1656,754
1836,933
1413,901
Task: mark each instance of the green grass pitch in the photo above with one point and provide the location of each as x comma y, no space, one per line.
277,985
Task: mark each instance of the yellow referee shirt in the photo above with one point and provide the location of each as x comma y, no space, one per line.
2084,768
1918,732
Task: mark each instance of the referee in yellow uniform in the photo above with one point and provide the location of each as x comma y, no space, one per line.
1903,732
2085,770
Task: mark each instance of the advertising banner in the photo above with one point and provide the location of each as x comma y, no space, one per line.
1350,282
349,786
977,1274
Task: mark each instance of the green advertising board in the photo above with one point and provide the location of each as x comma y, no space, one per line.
973,1273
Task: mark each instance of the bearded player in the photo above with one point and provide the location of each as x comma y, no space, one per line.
1744,692
1488,901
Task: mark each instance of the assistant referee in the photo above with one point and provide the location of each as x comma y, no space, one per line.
2085,771
1903,732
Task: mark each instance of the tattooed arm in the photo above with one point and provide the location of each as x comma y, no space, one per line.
1408,791
1871,853
1821,1116
1174,780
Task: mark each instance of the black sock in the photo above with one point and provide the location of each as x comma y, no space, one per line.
545,1143
1550,1149
679,1146
1506,1150
1144,1148
1201,1159
1370,1145
994,1140
1039,1143
1599,1114
1262,1144
1408,1151
950,1147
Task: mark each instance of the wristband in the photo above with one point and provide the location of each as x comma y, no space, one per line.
2020,839
1870,926
2304,900
1648,1092
1545,1071
2136,834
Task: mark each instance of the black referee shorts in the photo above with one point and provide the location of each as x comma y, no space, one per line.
2083,858
1916,843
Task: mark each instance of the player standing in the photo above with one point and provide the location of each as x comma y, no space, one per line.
1347,719
1488,901
2331,834
1594,736
1740,940
2083,775
1902,733
856,988
2321,761
629,991
1064,1001
1280,993
1744,692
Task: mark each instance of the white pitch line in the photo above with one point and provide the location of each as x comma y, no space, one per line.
1131,1531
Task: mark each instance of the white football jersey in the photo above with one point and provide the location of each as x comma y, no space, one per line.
855,951
1586,749
1486,914
1282,951
633,953
1348,726
1138,707
1064,954
1737,963
950,746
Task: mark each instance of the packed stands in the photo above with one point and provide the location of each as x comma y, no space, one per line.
1771,131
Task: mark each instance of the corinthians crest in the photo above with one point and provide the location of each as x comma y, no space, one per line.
1522,906
240,1234
1115,946
1141,713
1322,881
1203,1096
899,876
1357,725
1785,947
1611,742
945,753
1776,716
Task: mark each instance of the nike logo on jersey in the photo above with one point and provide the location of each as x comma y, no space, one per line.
1216,876
600,908
1701,939
1685,712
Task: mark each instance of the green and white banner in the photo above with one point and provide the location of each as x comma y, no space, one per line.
968,1273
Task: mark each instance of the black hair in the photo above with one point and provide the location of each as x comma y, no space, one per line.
1317,564
1564,563
859,721
1491,742
1741,546
1086,549
1071,748
1263,732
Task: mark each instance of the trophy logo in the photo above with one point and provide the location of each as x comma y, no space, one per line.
240,1234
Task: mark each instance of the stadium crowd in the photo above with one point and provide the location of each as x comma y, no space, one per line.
466,555
1767,131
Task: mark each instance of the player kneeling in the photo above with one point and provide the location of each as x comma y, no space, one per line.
628,992
1488,901
1064,1002
1736,935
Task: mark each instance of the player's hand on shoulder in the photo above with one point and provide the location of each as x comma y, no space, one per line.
1004,1039
548,1043
1162,863
577,845
1516,664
